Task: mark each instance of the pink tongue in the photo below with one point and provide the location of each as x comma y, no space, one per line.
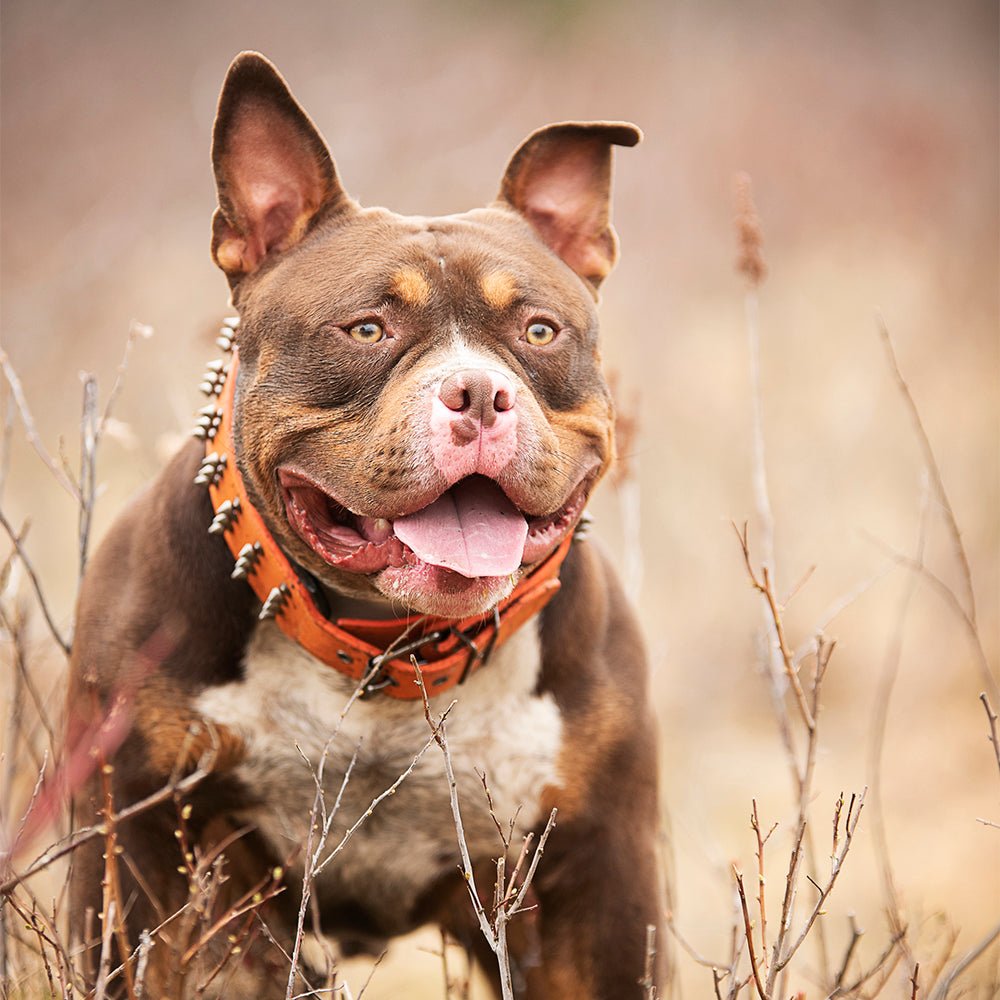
472,529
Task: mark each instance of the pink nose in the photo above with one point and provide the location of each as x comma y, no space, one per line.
478,394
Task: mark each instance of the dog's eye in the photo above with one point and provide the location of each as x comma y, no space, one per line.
369,332
539,334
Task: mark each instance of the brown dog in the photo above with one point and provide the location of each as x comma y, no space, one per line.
382,498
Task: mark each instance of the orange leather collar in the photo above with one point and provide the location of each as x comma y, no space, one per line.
376,654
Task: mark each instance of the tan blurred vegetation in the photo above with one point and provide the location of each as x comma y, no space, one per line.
870,132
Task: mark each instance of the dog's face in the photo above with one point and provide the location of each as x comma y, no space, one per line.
420,413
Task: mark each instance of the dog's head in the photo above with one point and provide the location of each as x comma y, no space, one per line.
420,412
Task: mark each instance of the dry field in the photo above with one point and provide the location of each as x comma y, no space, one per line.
870,131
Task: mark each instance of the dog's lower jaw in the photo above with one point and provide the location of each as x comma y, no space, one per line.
432,590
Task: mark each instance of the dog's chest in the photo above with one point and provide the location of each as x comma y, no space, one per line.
292,712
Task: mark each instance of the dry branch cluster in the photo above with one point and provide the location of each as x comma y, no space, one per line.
758,962
771,930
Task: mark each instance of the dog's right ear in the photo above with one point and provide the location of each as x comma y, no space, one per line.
273,172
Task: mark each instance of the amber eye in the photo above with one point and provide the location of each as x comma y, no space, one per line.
368,332
539,334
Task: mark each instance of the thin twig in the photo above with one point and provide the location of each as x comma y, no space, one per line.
877,731
15,538
762,909
942,588
944,984
31,430
749,933
764,585
992,717
89,433
932,467
852,988
79,837
647,983
850,825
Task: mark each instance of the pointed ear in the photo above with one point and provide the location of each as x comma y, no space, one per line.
560,181
273,172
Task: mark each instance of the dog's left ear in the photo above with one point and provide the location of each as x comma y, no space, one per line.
273,172
560,181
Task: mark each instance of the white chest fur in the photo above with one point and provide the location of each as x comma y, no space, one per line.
289,708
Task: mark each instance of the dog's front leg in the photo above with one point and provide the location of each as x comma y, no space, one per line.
597,890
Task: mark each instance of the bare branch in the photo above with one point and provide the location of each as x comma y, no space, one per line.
31,430
992,718
933,469
30,569
70,844
958,967
749,934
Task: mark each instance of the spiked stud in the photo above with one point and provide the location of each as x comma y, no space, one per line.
246,560
274,603
214,378
582,529
208,422
225,516
211,469
227,333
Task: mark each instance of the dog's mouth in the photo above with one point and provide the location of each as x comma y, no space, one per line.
472,529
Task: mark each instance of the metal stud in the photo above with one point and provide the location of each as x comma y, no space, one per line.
211,470
231,322
216,366
275,602
225,516
208,422
224,341
246,560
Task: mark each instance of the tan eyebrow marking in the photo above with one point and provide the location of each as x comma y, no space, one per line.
499,289
411,286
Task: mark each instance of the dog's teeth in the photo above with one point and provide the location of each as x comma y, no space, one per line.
274,603
232,322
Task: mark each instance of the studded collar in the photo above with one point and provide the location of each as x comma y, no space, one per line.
377,654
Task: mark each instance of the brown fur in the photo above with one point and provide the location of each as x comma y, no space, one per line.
161,624
499,289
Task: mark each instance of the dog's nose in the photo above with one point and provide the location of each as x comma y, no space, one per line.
478,394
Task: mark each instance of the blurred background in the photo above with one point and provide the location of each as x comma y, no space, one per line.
870,130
